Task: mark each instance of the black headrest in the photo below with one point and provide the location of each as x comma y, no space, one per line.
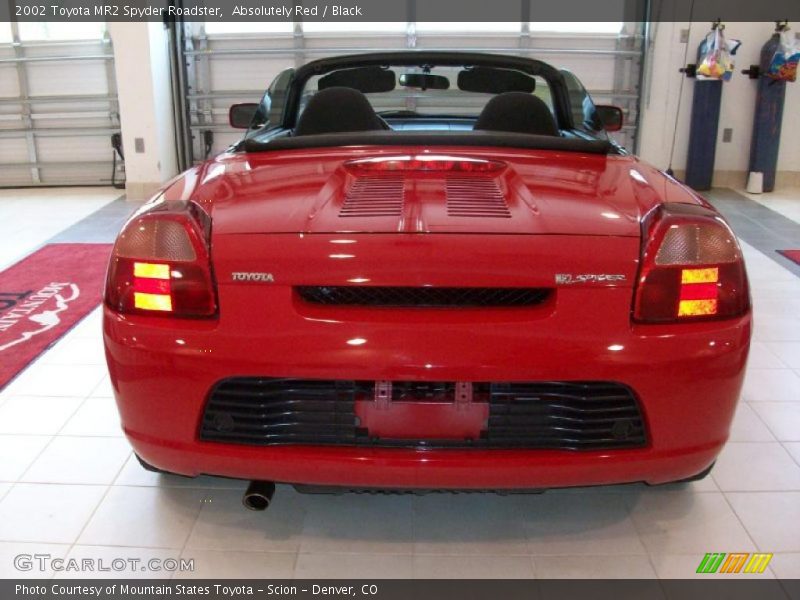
338,110
517,112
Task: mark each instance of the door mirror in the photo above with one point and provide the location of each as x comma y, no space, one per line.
241,115
610,117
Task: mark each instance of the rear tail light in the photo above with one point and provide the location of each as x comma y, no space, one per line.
692,268
161,265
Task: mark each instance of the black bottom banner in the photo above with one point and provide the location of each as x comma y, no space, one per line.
262,589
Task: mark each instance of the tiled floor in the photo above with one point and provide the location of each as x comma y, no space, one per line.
29,217
70,487
783,201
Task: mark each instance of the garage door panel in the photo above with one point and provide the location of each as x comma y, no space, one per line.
474,42
12,150
70,149
85,174
84,77
223,140
221,63
318,41
248,73
57,96
9,86
11,176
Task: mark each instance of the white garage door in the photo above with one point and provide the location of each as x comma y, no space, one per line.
58,104
235,62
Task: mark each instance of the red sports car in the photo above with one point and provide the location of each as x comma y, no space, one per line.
427,270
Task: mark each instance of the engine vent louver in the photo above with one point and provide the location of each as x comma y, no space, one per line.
375,196
475,197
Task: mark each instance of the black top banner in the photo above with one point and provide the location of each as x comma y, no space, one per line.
400,10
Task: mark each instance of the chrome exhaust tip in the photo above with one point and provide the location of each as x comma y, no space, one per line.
258,495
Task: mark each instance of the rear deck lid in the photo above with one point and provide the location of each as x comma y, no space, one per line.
419,191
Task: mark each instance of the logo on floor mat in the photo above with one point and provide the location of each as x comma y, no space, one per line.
735,562
27,314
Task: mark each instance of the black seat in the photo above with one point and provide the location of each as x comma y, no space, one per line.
338,110
517,112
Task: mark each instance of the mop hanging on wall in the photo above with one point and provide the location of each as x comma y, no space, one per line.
778,65
714,66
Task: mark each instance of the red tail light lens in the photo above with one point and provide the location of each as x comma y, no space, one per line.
692,268
161,265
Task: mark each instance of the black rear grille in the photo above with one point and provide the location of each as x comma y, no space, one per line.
581,416
282,411
422,297
534,415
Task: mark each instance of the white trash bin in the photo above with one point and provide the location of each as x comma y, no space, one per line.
755,182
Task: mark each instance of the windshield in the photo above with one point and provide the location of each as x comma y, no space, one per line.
584,113
444,97
433,92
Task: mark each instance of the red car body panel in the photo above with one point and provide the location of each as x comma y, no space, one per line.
278,212
547,192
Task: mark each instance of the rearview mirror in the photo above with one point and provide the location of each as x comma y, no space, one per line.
424,81
610,117
241,115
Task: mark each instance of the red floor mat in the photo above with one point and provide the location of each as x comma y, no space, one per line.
43,296
791,255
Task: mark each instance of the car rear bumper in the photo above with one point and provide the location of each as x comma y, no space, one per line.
393,468
687,380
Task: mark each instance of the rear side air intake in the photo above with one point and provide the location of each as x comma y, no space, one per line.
475,196
375,196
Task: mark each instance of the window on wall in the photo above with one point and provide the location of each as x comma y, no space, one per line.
218,27
320,27
30,32
5,32
213,27
576,27
471,28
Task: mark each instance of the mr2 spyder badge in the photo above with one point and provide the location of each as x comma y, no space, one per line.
570,279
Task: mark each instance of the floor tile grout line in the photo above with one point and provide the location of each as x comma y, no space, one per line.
739,519
767,425
52,438
96,508
739,208
189,532
792,456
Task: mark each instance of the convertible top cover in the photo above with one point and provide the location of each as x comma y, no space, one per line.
431,138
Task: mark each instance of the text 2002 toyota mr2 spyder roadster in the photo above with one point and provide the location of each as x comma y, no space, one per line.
427,270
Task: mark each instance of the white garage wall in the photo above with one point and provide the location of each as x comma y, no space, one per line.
660,120
145,96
